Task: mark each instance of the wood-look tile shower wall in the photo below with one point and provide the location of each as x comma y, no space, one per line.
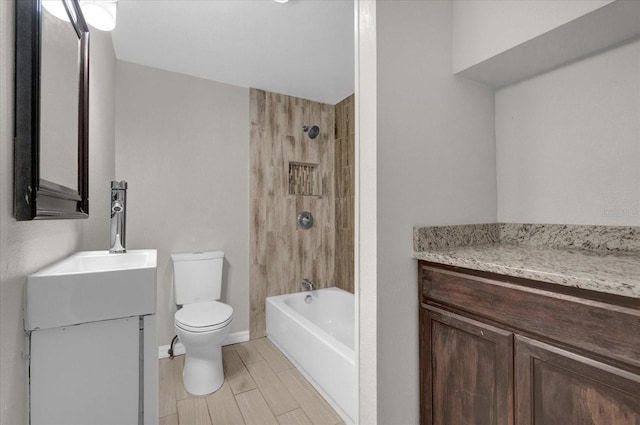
280,253
345,192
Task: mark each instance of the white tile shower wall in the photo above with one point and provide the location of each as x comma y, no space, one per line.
568,143
182,144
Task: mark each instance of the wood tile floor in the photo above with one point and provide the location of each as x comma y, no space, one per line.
261,388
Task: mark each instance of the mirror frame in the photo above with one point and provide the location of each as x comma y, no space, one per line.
34,197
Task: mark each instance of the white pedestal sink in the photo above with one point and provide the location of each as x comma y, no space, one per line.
92,324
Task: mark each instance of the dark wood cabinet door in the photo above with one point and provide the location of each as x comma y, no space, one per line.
554,386
466,371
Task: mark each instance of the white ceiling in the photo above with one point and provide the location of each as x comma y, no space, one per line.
301,48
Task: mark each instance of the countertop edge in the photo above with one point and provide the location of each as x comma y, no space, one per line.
592,283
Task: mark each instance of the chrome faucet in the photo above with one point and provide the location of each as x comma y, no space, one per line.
307,284
118,217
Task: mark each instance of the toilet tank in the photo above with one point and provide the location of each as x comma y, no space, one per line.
197,276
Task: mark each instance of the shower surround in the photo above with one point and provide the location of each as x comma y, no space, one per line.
345,192
280,253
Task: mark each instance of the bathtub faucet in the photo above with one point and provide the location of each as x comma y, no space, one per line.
307,284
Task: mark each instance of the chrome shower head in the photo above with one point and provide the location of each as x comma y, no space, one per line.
312,131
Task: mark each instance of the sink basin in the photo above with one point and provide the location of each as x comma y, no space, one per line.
90,286
101,261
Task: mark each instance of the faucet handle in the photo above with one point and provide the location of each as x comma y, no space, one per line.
118,185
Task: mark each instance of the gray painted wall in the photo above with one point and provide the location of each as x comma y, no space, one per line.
26,247
102,156
182,144
436,165
568,143
483,29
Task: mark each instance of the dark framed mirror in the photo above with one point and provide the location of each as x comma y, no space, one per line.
51,148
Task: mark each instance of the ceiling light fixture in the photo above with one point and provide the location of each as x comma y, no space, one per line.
100,14
281,1
56,8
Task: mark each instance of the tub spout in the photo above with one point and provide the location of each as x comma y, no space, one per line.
307,284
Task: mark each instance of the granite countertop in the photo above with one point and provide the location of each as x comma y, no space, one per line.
604,260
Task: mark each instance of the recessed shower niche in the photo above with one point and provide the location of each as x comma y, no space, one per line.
303,179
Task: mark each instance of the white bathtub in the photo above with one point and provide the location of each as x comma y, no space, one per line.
318,339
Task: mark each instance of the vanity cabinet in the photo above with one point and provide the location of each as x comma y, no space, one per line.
467,370
510,351
555,386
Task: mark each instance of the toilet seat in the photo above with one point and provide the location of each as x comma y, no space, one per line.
204,317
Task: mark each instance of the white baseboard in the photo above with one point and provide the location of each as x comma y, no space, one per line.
236,338
178,348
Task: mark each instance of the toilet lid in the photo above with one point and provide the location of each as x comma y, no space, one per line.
204,315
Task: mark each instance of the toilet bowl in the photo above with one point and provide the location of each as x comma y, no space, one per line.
202,327
203,323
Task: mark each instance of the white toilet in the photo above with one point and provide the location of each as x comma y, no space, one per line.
203,323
